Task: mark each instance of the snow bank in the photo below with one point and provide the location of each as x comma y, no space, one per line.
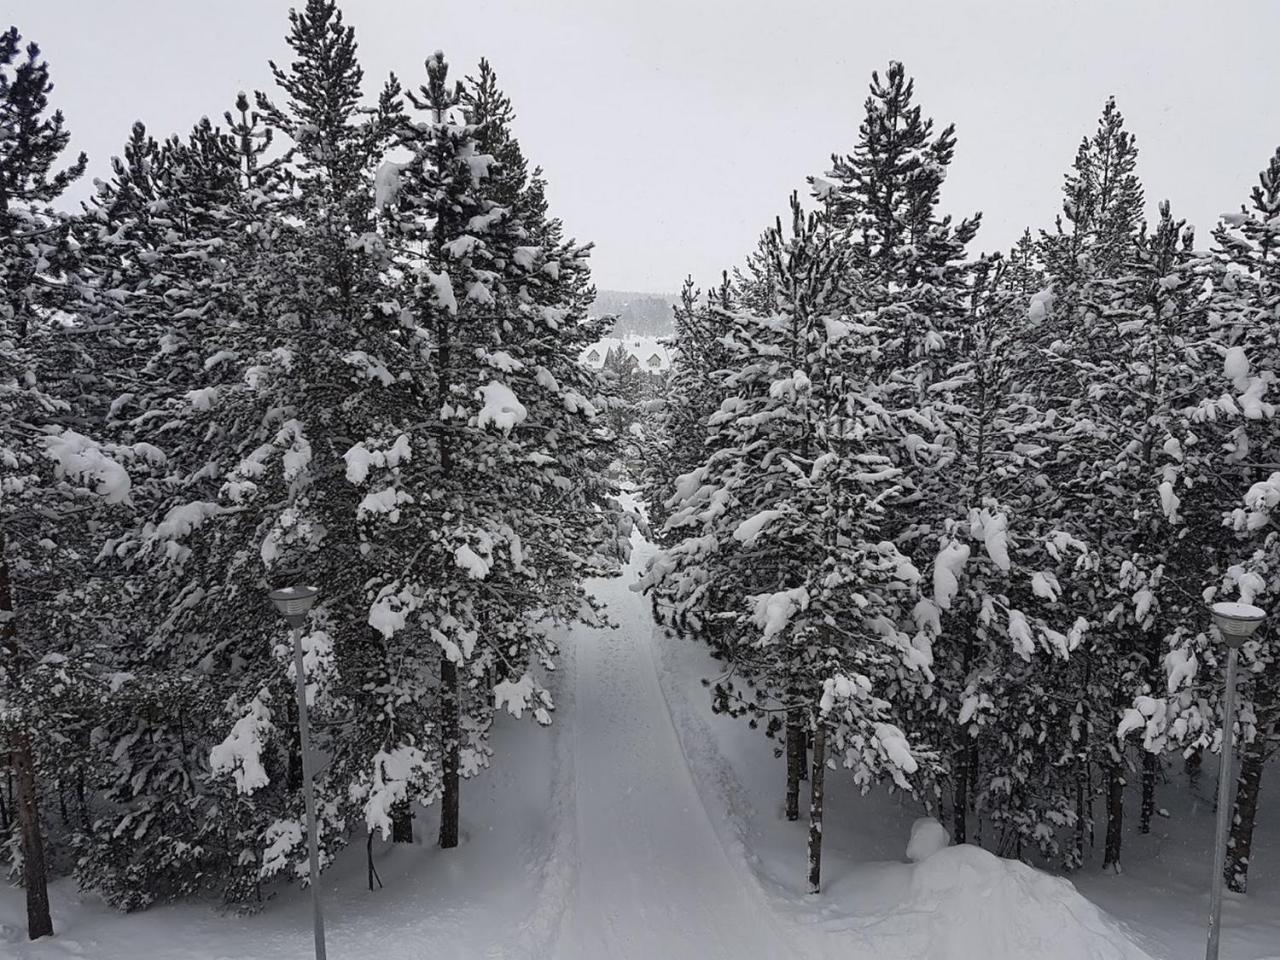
963,903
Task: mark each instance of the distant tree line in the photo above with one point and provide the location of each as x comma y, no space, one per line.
645,314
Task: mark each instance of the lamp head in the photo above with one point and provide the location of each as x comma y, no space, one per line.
294,602
1237,621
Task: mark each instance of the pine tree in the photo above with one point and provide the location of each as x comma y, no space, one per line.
169,237
780,564
691,396
250,289
1225,427
34,254
886,193
1079,371
505,490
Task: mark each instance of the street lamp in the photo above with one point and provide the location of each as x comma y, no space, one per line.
1237,623
293,604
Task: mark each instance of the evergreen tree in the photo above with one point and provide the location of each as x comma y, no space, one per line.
1080,371
1223,430
505,493
691,396
781,565
885,194
35,361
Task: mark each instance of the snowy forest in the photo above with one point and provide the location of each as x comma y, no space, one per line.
946,523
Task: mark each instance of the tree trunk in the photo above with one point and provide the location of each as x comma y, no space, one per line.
83,802
450,747
1082,811
795,765
1191,765
1150,773
293,747
23,766
815,808
1253,756
368,856
1115,818
960,797
39,923
402,823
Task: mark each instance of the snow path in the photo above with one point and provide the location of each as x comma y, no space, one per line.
653,879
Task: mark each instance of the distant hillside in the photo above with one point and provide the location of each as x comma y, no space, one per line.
643,314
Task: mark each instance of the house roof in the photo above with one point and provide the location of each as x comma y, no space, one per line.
642,348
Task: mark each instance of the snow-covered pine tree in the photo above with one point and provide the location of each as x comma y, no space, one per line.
1156,305
504,507
167,244
692,394
885,193
915,299
1224,432
1250,242
993,624
782,566
626,385
325,369
262,355
38,555
1079,372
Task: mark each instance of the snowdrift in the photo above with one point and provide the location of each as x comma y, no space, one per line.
963,903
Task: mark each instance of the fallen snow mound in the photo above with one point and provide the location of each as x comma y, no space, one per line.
963,903
928,836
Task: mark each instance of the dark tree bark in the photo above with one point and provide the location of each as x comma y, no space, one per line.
1240,842
795,766
1084,810
1253,756
1115,818
450,749
39,923
966,756
83,802
1150,773
402,823
960,796
293,775
23,764
815,808
368,856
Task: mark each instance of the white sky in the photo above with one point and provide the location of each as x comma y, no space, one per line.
672,132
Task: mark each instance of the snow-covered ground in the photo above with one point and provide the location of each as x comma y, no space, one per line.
643,826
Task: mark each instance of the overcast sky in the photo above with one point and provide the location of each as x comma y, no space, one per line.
672,131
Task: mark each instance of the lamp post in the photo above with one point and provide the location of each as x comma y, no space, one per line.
293,604
1236,622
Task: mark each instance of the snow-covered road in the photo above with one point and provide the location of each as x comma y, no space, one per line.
653,880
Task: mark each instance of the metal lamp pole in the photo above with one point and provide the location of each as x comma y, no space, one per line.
1236,622
293,604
